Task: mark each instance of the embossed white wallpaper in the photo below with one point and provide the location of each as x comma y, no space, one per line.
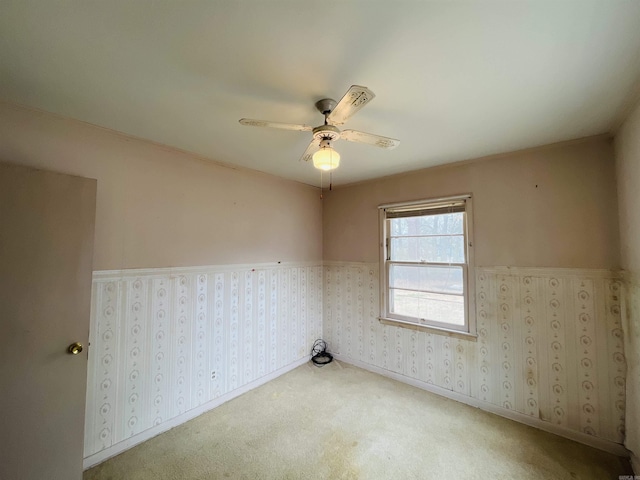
631,328
169,343
165,342
549,345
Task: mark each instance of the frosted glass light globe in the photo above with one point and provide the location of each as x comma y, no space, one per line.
326,159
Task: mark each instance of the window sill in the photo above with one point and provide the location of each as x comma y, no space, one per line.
428,328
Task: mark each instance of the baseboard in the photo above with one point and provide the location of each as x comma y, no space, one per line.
599,443
120,447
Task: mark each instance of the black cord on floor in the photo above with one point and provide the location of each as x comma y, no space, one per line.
319,355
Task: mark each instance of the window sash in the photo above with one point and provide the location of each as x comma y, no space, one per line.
429,321
417,209
460,203
454,208
427,247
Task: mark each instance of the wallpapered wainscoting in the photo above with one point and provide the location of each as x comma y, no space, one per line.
631,327
169,344
549,350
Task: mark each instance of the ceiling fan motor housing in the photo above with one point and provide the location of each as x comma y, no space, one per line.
326,132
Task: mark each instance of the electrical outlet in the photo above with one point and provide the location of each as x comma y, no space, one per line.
214,375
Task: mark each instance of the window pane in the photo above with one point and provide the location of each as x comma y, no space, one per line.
428,306
430,278
443,224
446,249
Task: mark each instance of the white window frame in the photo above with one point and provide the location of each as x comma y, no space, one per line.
469,327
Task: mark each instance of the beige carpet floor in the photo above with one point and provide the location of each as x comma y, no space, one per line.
342,422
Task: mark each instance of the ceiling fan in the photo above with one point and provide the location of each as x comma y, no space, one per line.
335,113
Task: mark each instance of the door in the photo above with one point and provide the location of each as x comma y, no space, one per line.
46,249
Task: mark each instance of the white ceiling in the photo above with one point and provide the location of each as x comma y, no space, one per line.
454,80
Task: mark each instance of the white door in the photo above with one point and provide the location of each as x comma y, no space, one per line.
46,249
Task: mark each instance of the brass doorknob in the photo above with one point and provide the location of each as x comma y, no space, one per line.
75,348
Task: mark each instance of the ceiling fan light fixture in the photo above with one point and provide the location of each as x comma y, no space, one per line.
326,158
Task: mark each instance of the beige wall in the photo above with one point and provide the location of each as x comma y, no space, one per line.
548,207
627,146
159,207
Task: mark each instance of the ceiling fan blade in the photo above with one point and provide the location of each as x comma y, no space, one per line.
355,98
370,139
283,126
313,147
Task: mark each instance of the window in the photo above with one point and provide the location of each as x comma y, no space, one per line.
426,273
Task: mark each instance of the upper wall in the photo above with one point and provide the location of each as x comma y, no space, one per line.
554,206
159,207
627,146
